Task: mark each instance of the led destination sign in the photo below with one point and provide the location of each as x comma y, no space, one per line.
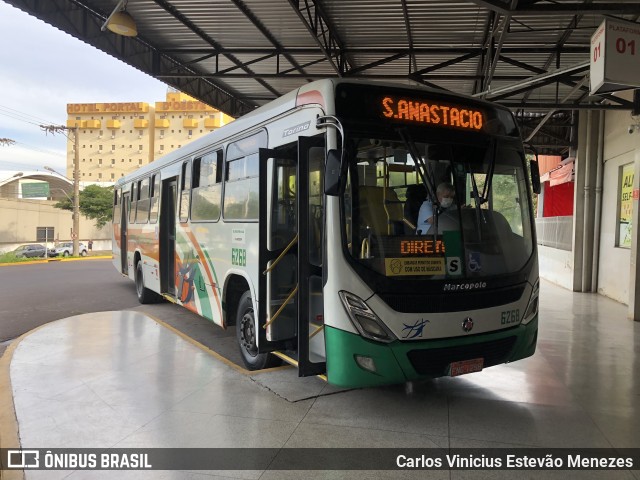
410,246
409,256
412,110
424,247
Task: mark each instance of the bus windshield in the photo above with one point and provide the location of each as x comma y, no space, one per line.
436,210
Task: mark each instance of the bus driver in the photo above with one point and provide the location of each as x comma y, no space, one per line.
445,193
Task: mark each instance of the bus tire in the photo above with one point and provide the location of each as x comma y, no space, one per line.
145,295
246,335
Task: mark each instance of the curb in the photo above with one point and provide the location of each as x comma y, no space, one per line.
9,430
74,259
207,350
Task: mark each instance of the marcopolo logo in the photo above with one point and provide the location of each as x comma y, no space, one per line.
452,287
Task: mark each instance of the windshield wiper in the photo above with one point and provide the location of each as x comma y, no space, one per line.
486,188
486,191
420,164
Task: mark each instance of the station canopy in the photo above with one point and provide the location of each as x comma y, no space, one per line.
532,56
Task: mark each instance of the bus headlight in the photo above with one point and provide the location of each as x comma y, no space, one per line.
532,307
364,319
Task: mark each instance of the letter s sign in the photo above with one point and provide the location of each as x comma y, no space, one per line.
453,266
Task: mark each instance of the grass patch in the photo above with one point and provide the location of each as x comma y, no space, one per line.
11,258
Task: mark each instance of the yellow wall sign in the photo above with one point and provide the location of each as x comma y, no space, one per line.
414,266
139,107
183,106
626,206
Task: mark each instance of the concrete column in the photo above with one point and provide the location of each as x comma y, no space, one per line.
591,157
578,202
598,203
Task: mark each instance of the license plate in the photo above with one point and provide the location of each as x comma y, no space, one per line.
466,366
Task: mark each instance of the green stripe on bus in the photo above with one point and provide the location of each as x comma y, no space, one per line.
213,270
203,296
391,360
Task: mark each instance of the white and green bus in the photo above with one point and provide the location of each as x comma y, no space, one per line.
298,225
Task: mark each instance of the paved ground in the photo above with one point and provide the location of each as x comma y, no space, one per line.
35,294
122,380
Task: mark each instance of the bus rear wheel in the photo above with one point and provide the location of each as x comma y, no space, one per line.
145,295
246,335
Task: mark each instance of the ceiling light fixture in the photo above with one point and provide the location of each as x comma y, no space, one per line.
120,22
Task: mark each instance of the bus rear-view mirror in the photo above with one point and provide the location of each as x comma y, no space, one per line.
332,173
535,177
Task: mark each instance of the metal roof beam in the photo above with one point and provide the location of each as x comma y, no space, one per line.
545,132
355,71
580,67
494,5
266,33
174,12
448,63
484,50
407,25
324,33
561,106
525,89
535,70
550,113
601,8
507,50
381,76
196,60
495,53
564,38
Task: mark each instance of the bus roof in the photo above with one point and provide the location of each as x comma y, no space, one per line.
310,93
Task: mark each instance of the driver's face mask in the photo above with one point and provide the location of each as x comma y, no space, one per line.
446,202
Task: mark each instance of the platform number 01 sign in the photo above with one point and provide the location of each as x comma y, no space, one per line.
615,56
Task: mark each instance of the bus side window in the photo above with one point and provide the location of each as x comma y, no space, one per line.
316,206
142,216
241,177
206,187
116,205
155,198
185,192
133,199
284,223
241,189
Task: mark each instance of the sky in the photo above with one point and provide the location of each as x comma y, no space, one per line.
43,71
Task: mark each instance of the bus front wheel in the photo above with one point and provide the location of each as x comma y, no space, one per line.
247,336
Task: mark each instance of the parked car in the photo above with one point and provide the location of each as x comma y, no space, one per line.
31,250
66,249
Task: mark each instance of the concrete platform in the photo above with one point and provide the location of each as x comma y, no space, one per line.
123,379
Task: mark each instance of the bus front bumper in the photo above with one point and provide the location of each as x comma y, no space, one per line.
353,361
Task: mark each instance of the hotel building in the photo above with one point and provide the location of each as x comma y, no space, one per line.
117,138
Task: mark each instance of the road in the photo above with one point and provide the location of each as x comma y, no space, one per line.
33,295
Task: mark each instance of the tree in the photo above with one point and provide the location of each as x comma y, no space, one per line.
96,203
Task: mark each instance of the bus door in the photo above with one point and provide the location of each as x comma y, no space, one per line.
124,222
291,227
168,236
